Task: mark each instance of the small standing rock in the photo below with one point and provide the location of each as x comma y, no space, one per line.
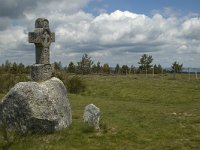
92,115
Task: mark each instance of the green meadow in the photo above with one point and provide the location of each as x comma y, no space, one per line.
136,113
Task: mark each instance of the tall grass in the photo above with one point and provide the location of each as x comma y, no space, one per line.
74,83
136,113
7,81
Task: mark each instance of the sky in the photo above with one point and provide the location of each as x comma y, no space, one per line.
110,31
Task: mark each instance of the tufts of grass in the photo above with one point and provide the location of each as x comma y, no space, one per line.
9,80
73,83
88,128
142,113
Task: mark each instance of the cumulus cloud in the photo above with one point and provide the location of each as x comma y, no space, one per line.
13,8
117,37
128,31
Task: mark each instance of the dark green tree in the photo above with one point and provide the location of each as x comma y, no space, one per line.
94,68
7,66
14,68
133,69
145,62
85,64
157,69
125,69
21,68
160,69
57,66
117,69
99,67
71,67
106,69
176,67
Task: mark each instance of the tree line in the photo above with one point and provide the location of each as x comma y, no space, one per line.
87,66
14,68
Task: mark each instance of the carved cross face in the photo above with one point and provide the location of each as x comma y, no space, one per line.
46,41
42,38
46,25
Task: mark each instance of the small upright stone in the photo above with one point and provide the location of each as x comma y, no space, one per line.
92,115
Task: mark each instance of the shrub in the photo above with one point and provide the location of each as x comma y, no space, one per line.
75,84
9,80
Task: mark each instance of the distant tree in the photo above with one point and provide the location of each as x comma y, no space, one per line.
145,62
160,69
133,69
14,68
117,69
58,66
94,68
99,67
28,68
84,66
7,66
71,67
176,67
157,69
21,68
2,68
106,69
125,69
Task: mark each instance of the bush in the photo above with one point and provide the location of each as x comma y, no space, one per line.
75,84
9,80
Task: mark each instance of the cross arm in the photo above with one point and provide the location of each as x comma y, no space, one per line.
34,37
31,37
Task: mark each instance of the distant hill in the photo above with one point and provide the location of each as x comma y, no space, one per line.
191,70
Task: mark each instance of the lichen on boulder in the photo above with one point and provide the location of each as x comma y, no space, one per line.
36,106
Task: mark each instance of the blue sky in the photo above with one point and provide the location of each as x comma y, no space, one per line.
144,6
110,31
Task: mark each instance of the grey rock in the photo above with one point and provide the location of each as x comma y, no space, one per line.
41,72
36,107
92,115
42,37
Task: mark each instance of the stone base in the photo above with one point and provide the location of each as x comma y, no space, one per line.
41,72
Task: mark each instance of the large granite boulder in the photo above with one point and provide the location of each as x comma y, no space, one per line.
36,107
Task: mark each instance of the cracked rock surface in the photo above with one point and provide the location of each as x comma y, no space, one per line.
36,106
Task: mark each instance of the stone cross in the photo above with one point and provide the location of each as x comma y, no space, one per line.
42,37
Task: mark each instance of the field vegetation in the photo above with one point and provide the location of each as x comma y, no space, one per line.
137,112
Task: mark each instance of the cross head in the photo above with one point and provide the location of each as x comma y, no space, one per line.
42,37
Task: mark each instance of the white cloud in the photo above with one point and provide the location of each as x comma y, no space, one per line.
118,37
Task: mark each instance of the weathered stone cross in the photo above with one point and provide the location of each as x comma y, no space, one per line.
42,38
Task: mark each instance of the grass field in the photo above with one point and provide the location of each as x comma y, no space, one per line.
136,113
